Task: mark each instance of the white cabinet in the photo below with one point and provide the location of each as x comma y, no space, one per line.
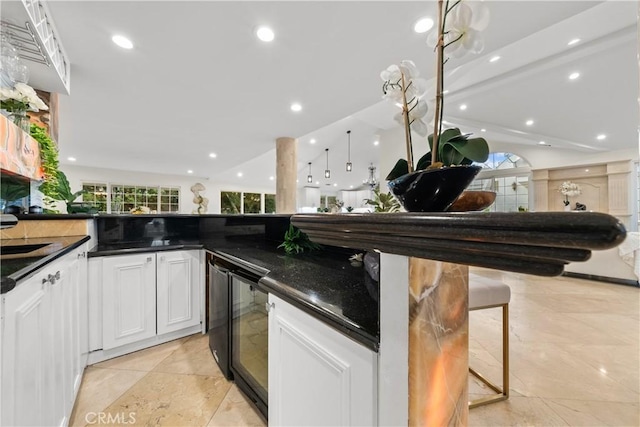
317,376
178,296
41,352
148,295
128,299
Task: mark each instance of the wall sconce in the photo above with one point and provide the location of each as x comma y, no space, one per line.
327,172
309,177
349,165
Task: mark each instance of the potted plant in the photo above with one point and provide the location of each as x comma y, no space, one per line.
440,176
18,100
383,202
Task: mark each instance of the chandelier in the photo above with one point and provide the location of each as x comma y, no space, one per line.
371,181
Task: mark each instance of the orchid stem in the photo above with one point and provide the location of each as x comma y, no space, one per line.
437,121
407,125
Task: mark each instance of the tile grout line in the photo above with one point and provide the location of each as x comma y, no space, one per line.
221,402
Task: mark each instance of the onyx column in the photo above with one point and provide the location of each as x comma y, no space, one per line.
286,174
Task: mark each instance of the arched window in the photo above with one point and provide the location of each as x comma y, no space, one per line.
508,175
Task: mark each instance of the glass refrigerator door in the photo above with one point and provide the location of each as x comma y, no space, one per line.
250,323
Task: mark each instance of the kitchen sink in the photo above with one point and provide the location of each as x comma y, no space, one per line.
21,249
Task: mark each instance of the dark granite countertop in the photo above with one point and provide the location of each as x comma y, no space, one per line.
324,284
18,266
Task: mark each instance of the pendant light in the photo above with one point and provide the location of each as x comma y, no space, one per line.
309,177
327,172
349,165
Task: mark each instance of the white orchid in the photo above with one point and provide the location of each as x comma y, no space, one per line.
21,97
464,22
404,88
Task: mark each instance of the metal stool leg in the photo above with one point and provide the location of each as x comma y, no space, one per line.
501,393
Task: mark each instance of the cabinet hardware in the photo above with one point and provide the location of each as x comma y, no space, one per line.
51,279
148,259
57,276
82,255
268,306
162,258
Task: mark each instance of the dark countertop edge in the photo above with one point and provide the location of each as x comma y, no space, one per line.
350,329
9,282
95,252
27,217
505,241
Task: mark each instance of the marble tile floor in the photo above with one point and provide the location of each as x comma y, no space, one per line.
574,361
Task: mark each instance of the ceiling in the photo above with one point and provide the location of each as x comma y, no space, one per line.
198,81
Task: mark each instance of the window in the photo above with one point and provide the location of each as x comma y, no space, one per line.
230,202
508,175
236,202
252,202
96,195
269,203
123,198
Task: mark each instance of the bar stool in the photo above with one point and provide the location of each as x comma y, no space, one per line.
488,293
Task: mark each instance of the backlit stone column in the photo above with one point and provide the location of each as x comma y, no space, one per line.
438,343
286,174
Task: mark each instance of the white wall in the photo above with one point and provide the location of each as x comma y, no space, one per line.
79,174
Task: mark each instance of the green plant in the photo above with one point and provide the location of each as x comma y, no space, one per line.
48,158
62,190
295,241
382,202
12,188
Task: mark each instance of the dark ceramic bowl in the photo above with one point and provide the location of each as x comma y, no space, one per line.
432,190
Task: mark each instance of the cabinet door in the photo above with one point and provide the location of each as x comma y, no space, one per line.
27,356
128,299
317,376
178,287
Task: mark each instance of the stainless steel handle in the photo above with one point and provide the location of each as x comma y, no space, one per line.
268,306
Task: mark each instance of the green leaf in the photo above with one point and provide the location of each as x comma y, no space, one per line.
475,149
424,161
401,168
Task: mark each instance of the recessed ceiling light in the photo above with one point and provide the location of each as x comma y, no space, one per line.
376,142
483,130
239,174
574,76
423,25
463,107
494,59
529,122
296,107
335,185
213,155
541,143
313,141
351,186
572,42
586,170
601,137
317,182
122,41
265,34
189,171
271,178
71,159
